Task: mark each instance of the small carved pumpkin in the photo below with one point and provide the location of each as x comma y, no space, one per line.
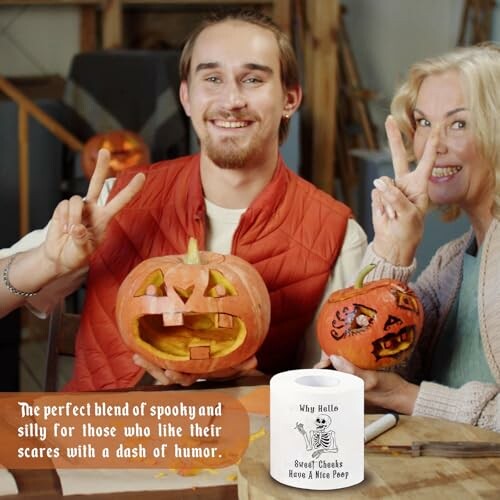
373,325
194,313
127,149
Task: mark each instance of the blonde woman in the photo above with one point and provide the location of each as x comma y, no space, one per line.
445,116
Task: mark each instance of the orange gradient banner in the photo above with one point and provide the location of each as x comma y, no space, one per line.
172,429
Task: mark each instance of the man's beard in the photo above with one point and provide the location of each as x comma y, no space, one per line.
228,154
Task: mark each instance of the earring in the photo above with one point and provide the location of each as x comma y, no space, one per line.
287,116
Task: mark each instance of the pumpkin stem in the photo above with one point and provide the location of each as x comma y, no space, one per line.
193,254
362,275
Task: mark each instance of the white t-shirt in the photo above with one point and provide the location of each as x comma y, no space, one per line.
221,225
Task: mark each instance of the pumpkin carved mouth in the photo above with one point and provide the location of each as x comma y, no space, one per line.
198,336
394,344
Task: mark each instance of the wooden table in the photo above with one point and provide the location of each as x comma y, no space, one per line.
45,484
392,476
385,476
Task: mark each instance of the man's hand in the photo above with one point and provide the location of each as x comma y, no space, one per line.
382,389
169,377
324,361
78,224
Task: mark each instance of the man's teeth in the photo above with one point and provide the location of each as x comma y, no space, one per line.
224,124
445,171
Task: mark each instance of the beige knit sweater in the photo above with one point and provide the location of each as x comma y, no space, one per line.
474,403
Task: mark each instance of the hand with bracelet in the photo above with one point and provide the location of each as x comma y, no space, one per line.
75,230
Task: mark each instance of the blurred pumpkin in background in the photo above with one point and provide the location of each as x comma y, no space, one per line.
194,313
127,149
373,325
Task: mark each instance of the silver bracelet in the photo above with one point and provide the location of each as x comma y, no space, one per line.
8,285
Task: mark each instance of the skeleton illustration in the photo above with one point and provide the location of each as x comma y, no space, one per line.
320,439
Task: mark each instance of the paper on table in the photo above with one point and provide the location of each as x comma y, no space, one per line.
8,484
88,481
257,400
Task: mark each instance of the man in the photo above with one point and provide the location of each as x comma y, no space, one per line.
240,86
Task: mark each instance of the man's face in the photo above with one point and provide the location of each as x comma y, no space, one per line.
234,95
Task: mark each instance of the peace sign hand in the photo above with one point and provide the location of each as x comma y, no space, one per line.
78,224
399,207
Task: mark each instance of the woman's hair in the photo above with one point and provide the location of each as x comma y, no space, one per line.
289,71
479,70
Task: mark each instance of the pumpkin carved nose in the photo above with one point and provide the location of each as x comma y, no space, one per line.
184,293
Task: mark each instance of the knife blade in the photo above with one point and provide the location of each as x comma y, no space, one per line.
459,449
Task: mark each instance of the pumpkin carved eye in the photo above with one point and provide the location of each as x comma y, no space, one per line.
352,321
154,284
218,285
405,300
130,144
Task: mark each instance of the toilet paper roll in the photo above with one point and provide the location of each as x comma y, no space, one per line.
317,429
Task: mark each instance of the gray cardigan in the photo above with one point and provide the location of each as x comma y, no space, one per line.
474,403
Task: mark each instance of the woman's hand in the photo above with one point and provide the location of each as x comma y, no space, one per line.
169,377
78,224
382,389
399,206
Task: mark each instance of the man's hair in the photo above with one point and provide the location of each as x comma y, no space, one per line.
289,71
479,70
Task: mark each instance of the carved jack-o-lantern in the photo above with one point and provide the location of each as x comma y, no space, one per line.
194,313
373,325
127,149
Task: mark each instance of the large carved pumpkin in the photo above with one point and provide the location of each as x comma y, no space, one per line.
373,325
194,313
127,149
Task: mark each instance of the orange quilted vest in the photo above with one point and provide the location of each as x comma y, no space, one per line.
292,233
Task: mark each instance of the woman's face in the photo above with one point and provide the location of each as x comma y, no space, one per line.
460,175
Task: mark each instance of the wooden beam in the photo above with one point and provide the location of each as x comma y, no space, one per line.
27,107
199,2
321,89
46,120
23,170
88,28
354,81
136,2
282,15
112,24
50,2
